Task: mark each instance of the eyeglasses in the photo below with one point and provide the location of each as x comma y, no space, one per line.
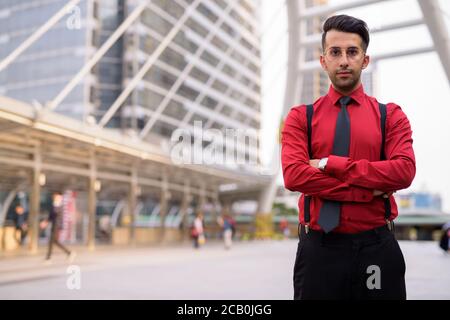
353,53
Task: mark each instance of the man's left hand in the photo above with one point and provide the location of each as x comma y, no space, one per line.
314,163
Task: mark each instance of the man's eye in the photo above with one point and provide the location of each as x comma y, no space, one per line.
335,52
352,52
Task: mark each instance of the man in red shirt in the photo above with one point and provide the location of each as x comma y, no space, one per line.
347,174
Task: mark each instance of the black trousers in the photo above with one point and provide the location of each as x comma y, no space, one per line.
54,241
363,266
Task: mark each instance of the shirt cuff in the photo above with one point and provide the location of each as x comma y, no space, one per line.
336,166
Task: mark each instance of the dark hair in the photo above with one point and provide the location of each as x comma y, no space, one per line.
349,24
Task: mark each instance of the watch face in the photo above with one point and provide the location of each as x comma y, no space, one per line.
322,163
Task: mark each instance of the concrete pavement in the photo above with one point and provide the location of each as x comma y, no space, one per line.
250,270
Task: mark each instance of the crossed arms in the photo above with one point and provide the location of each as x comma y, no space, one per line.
345,179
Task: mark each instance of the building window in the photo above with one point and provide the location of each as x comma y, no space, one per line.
207,12
199,75
220,86
208,57
209,102
188,92
195,26
175,110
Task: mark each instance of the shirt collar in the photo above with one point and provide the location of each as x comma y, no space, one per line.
357,95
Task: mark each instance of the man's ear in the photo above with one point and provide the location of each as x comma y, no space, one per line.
323,63
366,61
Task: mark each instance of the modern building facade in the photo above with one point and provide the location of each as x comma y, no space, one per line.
207,75
210,72
43,70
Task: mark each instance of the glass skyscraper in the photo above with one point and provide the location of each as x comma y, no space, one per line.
43,70
210,72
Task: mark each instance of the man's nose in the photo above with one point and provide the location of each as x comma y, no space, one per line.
343,62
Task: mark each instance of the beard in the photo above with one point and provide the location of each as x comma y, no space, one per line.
346,84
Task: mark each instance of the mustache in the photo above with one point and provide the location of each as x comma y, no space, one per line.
344,71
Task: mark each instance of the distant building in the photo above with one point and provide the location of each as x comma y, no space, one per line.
286,197
420,216
422,202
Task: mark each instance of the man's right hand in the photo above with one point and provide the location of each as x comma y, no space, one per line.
377,193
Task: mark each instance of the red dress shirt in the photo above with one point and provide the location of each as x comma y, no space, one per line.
352,179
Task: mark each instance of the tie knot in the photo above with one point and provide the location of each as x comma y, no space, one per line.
345,101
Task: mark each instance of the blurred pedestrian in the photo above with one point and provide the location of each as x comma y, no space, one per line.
104,225
444,242
228,226
55,218
20,220
284,227
197,232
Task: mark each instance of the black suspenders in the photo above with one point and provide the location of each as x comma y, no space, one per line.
387,202
307,200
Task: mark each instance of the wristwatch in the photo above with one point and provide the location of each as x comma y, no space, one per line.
323,163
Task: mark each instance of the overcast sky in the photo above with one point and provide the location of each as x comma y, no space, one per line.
416,83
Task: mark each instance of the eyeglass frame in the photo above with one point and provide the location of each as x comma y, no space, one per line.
326,53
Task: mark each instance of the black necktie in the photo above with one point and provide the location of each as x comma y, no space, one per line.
331,210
